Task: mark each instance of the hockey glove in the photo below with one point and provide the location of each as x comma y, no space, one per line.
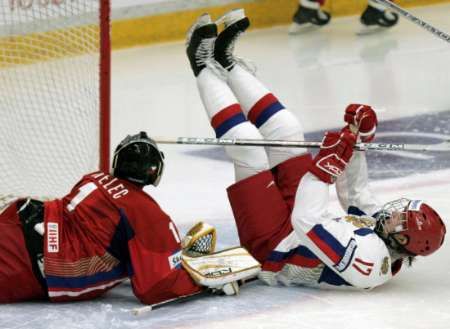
364,118
334,154
200,240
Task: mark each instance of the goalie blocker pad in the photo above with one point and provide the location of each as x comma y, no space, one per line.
222,267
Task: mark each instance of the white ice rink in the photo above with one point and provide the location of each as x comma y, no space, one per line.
404,72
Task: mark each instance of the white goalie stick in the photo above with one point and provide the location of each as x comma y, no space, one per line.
406,14
438,147
148,308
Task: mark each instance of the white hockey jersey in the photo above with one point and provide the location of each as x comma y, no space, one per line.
326,250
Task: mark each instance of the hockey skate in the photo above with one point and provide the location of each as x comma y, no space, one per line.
235,23
375,18
200,43
308,16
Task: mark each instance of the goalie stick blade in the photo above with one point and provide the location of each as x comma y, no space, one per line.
142,310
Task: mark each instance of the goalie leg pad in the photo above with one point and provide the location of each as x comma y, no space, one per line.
220,268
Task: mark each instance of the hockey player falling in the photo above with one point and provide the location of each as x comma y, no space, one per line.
107,229
309,13
280,197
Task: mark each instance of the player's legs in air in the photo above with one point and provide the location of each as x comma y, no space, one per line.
221,105
239,106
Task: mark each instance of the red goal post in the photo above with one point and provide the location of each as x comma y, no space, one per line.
55,59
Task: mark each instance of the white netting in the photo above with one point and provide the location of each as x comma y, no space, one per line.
49,94
203,246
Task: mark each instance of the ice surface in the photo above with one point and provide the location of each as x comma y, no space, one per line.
404,71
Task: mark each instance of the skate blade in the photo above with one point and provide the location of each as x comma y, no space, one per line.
295,28
231,17
368,30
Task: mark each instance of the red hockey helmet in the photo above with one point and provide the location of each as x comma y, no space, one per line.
425,229
421,224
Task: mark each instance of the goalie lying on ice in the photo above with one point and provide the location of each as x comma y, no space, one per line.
280,197
107,229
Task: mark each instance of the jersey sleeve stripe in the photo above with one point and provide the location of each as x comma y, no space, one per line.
300,256
302,251
327,243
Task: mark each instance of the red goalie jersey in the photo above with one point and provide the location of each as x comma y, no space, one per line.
104,231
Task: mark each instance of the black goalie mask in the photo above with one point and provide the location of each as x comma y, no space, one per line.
138,160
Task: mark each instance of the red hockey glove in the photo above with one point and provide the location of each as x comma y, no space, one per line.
334,154
364,118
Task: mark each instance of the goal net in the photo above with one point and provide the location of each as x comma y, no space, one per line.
54,94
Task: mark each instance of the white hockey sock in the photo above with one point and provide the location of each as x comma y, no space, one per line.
228,121
247,88
264,110
221,105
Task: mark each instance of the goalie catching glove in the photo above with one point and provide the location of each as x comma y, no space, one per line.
199,240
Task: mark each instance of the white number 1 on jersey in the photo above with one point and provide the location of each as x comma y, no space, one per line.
83,192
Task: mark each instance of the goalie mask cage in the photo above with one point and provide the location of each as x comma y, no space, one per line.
54,94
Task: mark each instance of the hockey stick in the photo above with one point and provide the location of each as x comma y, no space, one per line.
148,308
399,10
439,147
